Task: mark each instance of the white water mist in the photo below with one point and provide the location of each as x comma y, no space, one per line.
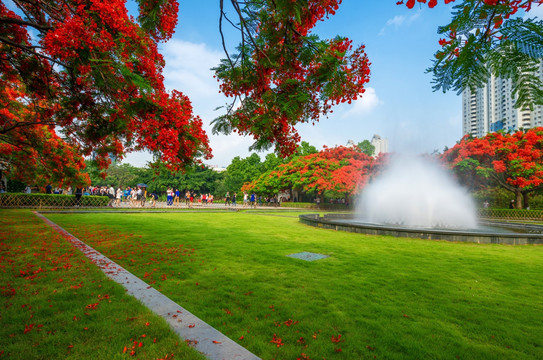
416,191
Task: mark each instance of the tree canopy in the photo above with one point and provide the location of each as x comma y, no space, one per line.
367,147
340,171
283,74
513,161
83,78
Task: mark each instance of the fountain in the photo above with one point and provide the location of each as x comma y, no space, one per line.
416,197
416,192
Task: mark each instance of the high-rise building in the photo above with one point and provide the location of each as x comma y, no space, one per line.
491,108
381,145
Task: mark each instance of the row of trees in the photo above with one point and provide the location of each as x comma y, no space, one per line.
338,172
198,178
333,172
512,162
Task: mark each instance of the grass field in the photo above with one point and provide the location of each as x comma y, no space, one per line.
55,304
374,297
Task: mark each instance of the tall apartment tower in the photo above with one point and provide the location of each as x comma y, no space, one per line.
381,145
490,108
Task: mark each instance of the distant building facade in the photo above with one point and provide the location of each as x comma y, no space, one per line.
216,168
381,145
491,108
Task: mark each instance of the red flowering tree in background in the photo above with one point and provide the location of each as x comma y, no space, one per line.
490,37
513,161
340,171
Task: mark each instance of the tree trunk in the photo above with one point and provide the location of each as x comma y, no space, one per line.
518,199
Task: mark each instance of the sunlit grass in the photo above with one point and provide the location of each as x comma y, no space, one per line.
56,304
387,297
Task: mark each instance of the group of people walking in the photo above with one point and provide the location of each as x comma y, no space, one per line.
248,200
174,197
138,196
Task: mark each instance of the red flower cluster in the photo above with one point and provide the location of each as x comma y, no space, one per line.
291,76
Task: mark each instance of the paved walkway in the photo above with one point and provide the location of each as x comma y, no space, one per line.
204,338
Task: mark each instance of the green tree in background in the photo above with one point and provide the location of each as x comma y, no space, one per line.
366,147
241,171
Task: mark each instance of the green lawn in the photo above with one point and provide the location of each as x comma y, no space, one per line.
55,304
388,298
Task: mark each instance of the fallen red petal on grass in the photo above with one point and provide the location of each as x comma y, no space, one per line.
277,340
28,328
336,339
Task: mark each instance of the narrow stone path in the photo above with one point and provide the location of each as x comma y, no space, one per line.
198,334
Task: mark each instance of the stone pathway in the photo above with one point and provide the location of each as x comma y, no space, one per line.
198,334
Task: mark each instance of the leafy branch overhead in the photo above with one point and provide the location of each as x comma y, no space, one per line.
282,74
491,37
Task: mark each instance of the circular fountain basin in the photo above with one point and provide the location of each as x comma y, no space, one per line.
488,232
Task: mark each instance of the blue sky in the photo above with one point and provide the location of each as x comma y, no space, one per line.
398,105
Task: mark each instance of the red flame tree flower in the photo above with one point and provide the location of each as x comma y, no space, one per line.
283,74
514,161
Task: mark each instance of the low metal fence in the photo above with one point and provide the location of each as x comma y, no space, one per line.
54,201
51,201
511,214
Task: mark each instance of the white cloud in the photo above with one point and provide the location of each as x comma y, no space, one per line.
364,105
188,69
398,21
